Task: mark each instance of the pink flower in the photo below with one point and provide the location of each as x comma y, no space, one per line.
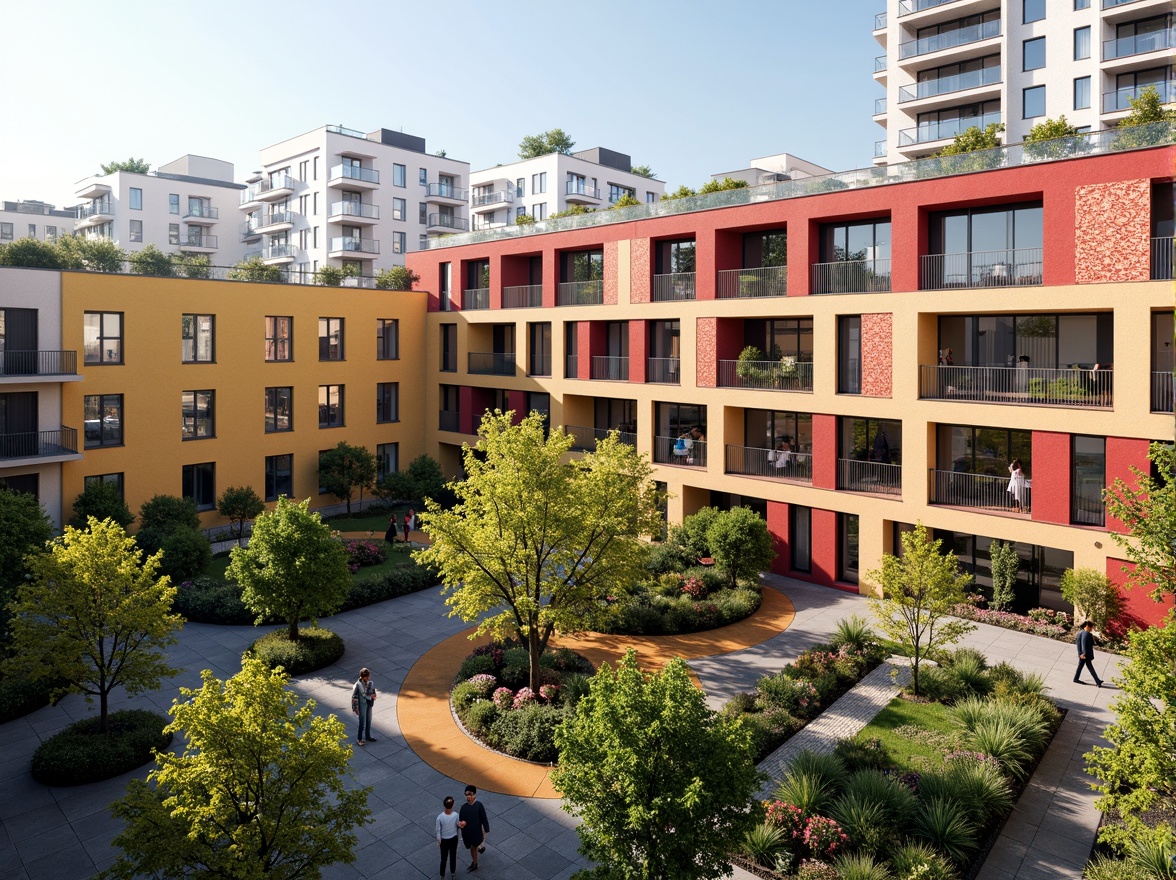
524,697
503,698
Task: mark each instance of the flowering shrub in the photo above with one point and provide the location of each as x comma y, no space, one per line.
1048,615
708,614
789,818
814,870
549,692
483,683
977,757
814,663
824,836
1019,622
524,697
503,698
911,779
362,553
693,587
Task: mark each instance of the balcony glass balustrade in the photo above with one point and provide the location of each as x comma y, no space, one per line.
445,191
449,221
1140,44
355,209
354,245
1121,99
972,33
354,172
945,128
945,85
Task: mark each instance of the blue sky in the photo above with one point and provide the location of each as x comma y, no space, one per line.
689,88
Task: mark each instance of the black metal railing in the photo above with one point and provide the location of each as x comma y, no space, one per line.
615,369
38,444
580,293
524,296
1163,254
979,491
492,363
740,283
1026,386
675,286
38,363
586,437
852,276
1161,392
663,371
449,421
754,461
767,375
876,477
475,298
679,450
1008,268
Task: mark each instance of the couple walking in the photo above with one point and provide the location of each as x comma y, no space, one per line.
409,527
473,825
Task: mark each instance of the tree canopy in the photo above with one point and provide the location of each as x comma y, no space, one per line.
254,269
396,278
138,166
346,468
660,782
95,616
259,790
554,140
537,540
26,530
292,567
642,171
740,544
1148,509
100,500
238,504
973,139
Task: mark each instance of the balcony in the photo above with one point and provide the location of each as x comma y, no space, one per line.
445,194
753,461
673,287
200,214
578,192
1011,268
356,248
491,201
1023,386
610,368
663,371
492,363
780,375
249,230
276,221
278,187
95,214
679,450
1162,256
539,365
880,21
907,7
282,252
525,296
880,149
874,477
586,437
1140,44
93,190
879,106
580,293
1161,392
39,447
880,70
19,367
447,223
353,177
946,85
929,132
748,283
353,213
197,244
1120,100
852,276
1115,11
448,421
977,492
475,298
953,39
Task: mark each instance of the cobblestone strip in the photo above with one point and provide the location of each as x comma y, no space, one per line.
848,715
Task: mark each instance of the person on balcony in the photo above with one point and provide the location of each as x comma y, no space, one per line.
1017,482
781,456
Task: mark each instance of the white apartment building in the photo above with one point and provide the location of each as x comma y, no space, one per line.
773,169
549,184
178,208
33,219
334,196
950,64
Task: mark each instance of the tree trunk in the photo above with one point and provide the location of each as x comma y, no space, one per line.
292,633
103,712
533,646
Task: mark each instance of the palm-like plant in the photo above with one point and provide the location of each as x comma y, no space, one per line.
762,843
945,825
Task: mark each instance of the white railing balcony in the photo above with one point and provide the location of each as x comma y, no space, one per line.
767,375
1023,386
754,461
747,283
1010,268
977,491
876,477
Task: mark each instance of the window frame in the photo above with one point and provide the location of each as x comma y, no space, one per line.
1033,44
102,339
192,320
329,351
135,198
190,431
382,456
273,342
387,403
188,481
399,175
272,476
118,480
105,402
1025,93
387,343
272,398
135,230
340,421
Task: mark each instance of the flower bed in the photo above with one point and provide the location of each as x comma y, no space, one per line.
1038,622
496,706
692,600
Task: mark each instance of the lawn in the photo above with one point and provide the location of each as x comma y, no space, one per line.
395,560
376,523
914,735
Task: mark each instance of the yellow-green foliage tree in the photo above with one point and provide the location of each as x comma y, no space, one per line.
538,538
1148,509
259,790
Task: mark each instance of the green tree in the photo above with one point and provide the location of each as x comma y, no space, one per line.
292,567
1005,563
137,166
740,544
625,201
151,261
192,265
30,253
93,255
1148,509
238,504
1138,770
171,525
660,782
1092,593
642,171
573,211
555,140
919,590
524,220
334,276
259,790
26,530
714,186
346,468
1054,139
95,616
1147,108
168,512
691,535
100,500
536,541
1048,129
420,480
396,278
973,139
254,269
681,192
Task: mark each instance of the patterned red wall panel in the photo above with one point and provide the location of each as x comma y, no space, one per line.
1112,234
824,451
584,349
1122,453
640,269
610,273
706,368
638,350
1051,477
1138,608
778,529
877,354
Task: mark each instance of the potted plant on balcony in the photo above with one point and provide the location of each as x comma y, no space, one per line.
753,368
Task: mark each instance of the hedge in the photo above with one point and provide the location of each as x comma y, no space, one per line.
80,754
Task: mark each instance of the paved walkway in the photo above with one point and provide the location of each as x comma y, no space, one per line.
66,833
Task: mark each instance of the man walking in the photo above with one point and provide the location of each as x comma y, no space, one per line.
447,837
1086,653
475,827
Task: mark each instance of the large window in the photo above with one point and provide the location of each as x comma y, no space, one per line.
330,406
196,331
279,476
874,440
993,246
800,537
1033,102
1088,478
136,230
1081,93
1033,54
539,348
198,413
582,266
765,429
279,409
103,337
279,338
136,199
387,339
849,354
199,484
676,419
675,257
173,203
115,480
1081,43
387,402
330,339
764,249
848,527
1071,341
387,459
860,240
103,420
968,449
398,175
614,413
1034,10
448,348
781,337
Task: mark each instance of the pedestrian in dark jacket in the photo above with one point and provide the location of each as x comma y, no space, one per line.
1086,653
474,825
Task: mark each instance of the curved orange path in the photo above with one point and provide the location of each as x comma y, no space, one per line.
426,722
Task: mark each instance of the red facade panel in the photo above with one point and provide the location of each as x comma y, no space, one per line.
1051,477
824,451
1112,231
1139,610
778,529
877,354
706,366
640,270
1122,454
638,350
